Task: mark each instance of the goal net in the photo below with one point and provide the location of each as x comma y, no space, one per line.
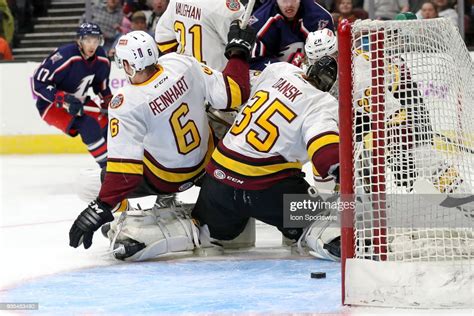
407,164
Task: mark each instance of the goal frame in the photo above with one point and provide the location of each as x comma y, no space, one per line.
346,148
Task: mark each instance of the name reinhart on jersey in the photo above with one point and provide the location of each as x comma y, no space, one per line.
169,97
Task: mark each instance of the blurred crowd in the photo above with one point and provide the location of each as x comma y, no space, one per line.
117,17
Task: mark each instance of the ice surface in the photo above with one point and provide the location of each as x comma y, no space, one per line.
264,286
38,205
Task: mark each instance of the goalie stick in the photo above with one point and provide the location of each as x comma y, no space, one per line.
423,186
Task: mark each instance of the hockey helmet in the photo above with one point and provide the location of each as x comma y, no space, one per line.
320,43
138,48
90,29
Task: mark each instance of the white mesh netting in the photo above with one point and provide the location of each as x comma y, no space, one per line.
413,106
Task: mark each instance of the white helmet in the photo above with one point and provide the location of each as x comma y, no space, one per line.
138,48
320,43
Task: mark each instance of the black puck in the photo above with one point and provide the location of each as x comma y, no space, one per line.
318,275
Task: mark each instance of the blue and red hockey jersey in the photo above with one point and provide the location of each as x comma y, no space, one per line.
279,39
66,70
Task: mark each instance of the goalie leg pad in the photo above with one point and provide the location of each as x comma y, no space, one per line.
323,237
162,231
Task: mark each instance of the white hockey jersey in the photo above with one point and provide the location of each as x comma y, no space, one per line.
198,28
159,128
286,122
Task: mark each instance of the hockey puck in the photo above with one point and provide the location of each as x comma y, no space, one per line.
318,275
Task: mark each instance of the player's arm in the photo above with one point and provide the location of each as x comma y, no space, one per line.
321,136
165,35
55,68
52,70
234,79
265,52
100,84
124,171
267,45
127,130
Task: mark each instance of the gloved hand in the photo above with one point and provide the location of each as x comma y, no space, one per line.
334,172
74,106
240,41
90,220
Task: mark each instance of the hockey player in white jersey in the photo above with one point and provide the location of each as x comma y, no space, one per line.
159,137
286,121
318,44
198,28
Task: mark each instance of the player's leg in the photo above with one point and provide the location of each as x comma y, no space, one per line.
267,205
217,208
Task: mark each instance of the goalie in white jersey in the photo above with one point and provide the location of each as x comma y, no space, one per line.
198,28
159,139
286,122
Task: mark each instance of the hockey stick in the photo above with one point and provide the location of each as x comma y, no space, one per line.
94,109
454,143
247,14
88,108
423,186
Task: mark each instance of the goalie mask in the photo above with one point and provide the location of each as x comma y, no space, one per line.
323,73
139,49
320,43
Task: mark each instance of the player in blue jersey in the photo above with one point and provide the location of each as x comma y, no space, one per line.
62,81
282,27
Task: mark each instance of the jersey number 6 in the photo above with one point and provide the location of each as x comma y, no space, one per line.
186,135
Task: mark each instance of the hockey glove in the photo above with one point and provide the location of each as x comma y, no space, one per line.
334,172
90,220
73,105
240,41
